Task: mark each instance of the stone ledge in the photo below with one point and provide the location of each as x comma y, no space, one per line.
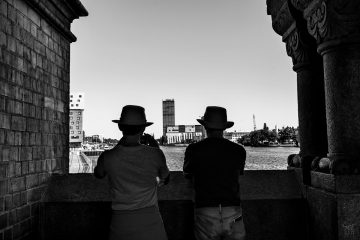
346,184
255,185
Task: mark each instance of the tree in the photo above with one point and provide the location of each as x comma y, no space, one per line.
286,134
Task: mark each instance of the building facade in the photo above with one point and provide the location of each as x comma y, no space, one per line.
76,119
234,136
184,134
168,107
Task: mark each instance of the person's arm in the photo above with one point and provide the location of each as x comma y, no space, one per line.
164,173
99,171
188,164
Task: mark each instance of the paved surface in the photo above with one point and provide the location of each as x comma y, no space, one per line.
79,163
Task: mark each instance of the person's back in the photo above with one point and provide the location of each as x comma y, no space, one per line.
139,166
216,168
134,171
214,164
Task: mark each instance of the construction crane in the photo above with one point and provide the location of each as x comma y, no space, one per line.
254,122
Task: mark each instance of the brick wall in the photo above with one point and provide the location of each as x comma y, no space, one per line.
35,42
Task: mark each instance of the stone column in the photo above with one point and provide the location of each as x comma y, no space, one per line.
311,96
335,25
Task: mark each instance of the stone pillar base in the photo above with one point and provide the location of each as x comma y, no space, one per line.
334,204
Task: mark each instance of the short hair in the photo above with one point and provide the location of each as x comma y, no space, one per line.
131,130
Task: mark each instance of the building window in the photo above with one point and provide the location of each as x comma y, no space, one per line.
77,105
79,132
70,100
71,113
77,122
72,105
71,96
78,118
79,113
77,127
72,132
70,118
70,127
80,96
78,100
72,123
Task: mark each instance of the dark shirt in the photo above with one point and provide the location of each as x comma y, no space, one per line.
215,165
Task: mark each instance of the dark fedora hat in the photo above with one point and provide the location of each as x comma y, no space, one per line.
215,118
132,115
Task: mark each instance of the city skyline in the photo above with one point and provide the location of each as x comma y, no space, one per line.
200,53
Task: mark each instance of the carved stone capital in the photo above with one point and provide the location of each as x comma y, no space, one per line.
300,4
280,15
333,20
298,47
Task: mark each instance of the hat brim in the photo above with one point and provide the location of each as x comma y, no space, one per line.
123,124
228,124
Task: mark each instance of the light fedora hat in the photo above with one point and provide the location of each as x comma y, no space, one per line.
132,115
215,118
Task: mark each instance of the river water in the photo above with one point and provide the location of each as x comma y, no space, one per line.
257,158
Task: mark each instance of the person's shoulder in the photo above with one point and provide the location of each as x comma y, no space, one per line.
196,145
151,149
234,145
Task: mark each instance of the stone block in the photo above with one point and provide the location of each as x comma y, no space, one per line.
17,138
11,44
10,137
34,16
23,212
3,39
17,184
22,228
11,169
32,181
3,221
34,194
18,123
348,216
24,167
5,120
4,168
8,202
323,214
2,136
4,187
14,154
3,8
32,125
8,234
5,153
17,169
11,13
336,183
12,217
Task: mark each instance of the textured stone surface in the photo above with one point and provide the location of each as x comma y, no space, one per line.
34,54
272,203
254,185
323,214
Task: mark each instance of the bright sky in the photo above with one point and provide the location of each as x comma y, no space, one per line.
198,52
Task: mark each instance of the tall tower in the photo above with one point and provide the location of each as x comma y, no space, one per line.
168,106
254,122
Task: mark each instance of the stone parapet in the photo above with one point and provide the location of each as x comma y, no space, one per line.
274,207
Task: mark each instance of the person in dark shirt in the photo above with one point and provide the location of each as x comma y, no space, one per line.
214,164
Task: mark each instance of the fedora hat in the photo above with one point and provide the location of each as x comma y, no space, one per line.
132,115
215,118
